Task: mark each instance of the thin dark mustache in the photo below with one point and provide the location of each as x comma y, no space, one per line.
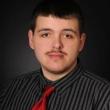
56,51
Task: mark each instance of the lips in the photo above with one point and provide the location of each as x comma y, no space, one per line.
56,55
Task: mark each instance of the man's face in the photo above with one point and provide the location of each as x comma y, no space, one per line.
56,43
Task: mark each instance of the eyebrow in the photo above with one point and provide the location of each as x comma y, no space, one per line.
44,29
70,30
66,29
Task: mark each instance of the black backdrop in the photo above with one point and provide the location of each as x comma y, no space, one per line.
17,58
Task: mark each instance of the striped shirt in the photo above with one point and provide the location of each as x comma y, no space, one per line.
79,90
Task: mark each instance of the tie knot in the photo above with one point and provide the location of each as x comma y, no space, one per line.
48,90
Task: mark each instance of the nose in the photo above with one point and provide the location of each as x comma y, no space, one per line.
57,43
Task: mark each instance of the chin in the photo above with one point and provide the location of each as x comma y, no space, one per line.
56,70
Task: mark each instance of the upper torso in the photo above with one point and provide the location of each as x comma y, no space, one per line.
81,91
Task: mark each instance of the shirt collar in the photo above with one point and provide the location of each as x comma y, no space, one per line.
64,82
69,79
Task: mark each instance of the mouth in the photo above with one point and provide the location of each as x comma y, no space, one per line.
56,55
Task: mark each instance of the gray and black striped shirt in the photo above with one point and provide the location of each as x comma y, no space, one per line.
79,90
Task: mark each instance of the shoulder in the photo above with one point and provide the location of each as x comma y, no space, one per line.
97,82
19,84
100,87
26,76
95,78
22,78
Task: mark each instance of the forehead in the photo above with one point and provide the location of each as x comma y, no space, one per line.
55,22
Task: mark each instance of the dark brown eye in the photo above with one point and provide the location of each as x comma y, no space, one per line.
45,35
69,36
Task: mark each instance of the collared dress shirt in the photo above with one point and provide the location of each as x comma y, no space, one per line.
79,90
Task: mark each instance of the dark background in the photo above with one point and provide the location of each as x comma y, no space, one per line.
17,58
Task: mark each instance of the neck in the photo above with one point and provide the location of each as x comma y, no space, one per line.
56,75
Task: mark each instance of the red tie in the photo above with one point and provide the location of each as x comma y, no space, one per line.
41,104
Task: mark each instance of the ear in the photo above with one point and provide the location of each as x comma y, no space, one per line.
31,39
82,41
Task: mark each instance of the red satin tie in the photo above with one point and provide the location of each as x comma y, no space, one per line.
41,104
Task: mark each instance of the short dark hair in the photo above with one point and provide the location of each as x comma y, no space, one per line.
59,8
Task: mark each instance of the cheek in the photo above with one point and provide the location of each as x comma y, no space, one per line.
41,47
73,48
39,52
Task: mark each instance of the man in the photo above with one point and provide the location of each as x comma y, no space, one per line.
57,37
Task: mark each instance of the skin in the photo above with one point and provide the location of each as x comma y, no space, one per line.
57,43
